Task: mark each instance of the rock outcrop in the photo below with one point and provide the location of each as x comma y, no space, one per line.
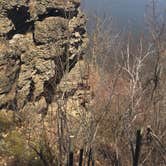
40,41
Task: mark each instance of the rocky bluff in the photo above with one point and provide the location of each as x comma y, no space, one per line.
40,41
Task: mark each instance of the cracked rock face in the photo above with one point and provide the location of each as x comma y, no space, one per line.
40,40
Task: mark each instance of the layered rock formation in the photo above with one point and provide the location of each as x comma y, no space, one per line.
40,41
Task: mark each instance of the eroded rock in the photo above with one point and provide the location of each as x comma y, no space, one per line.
40,41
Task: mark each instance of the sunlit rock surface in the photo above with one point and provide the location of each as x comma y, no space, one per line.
40,40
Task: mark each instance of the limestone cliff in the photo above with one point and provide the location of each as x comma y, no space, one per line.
40,40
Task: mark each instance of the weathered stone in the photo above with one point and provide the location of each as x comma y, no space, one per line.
52,29
40,40
75,89
5,25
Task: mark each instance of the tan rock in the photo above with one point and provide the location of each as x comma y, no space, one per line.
37,38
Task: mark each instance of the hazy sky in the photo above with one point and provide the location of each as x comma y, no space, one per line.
124,12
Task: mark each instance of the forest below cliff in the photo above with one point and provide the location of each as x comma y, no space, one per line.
71,96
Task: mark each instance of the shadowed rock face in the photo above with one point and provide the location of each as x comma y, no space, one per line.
39,40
